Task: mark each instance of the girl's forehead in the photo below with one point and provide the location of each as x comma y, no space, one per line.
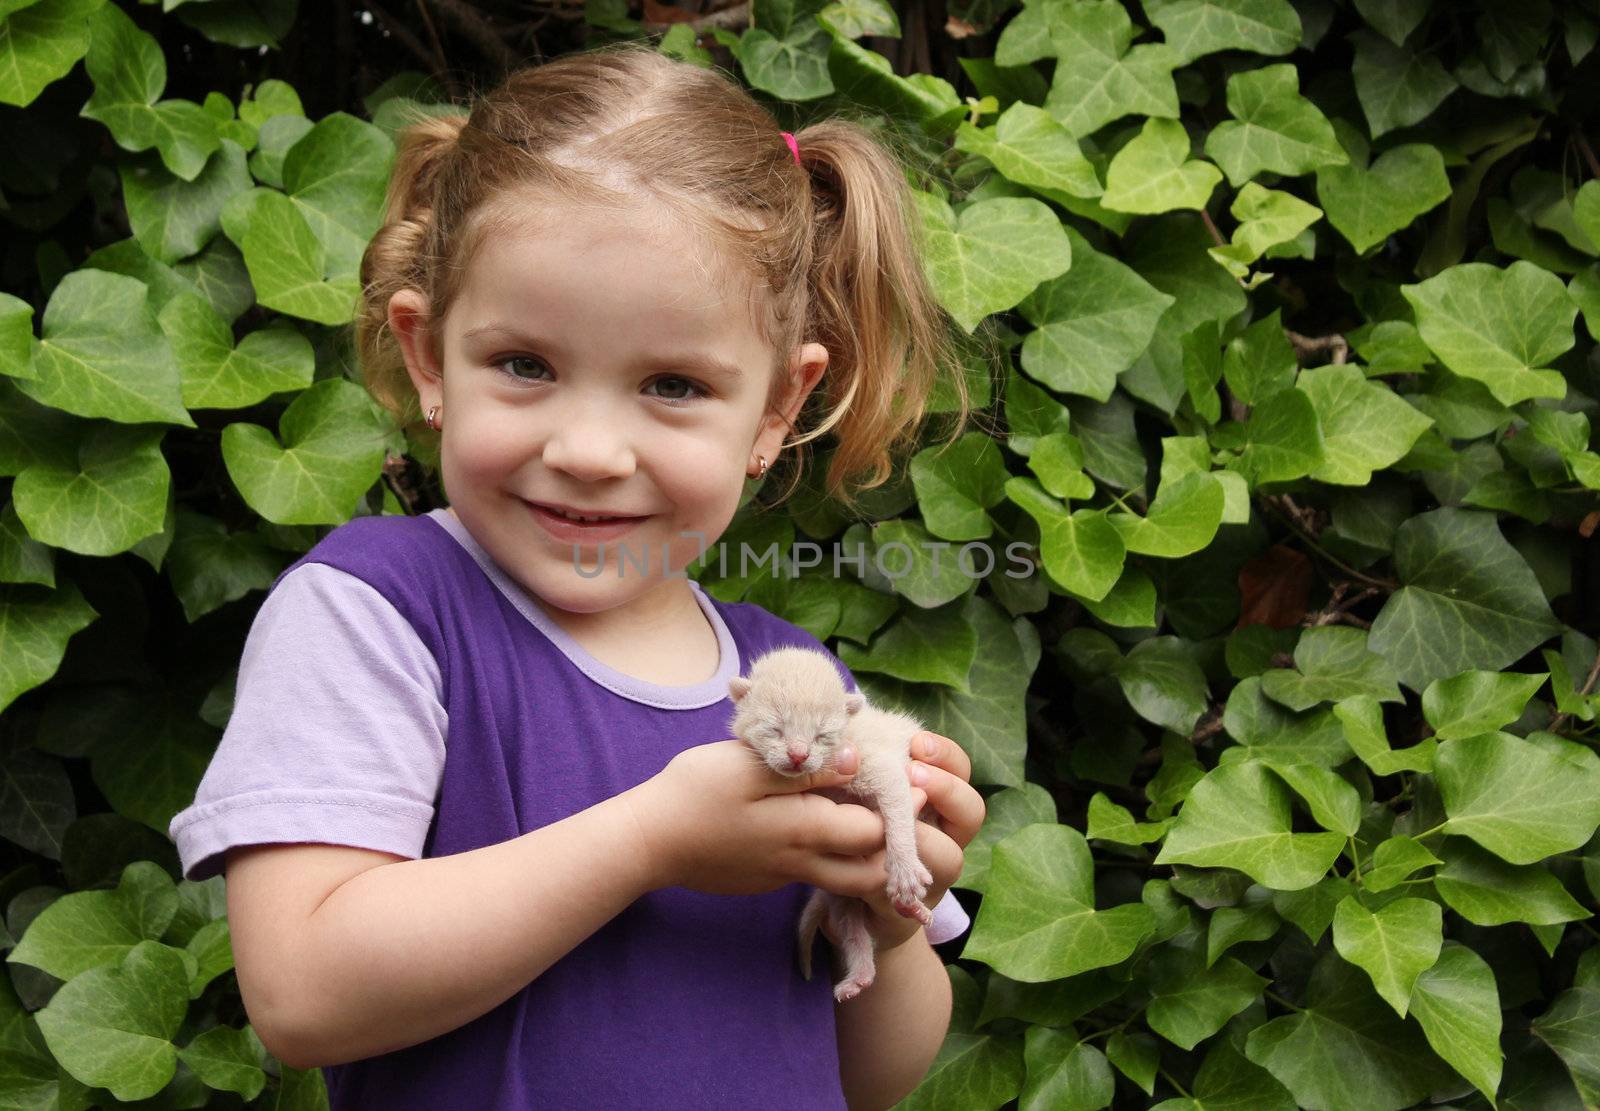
578,261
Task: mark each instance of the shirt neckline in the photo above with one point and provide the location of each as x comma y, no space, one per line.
707,693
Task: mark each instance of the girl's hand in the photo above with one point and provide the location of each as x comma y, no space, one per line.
942,836
717,819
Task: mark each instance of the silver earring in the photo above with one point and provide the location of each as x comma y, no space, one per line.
431,411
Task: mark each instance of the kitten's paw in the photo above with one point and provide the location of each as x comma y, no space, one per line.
908,883
917,910
848,989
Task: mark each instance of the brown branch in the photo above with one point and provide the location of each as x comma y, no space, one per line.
473,26
736,18
1211,226
402,34
1588,686
1306,346
1588,153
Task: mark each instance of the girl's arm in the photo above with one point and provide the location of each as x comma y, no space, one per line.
344,953
890,1033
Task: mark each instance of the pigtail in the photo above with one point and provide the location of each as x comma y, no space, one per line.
400,256
890,343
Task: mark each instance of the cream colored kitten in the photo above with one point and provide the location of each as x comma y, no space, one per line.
795,712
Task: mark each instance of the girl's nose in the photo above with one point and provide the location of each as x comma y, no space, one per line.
589,446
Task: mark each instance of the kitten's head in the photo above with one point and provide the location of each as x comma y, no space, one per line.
792,710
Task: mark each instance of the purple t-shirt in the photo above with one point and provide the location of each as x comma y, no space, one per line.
399,691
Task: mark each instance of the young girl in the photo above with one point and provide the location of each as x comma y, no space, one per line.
487,842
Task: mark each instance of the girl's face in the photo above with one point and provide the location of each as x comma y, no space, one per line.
593,363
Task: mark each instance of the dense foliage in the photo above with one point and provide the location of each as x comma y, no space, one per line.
1287,731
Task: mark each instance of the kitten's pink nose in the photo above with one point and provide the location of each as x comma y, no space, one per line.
797,756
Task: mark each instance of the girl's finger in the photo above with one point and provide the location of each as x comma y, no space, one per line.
837,827
931,748
958,806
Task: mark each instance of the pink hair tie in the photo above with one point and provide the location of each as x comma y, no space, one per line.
793,146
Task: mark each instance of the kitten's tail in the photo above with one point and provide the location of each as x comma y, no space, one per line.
810,922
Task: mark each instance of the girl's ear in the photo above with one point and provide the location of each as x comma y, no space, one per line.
410,322
805,370
738,687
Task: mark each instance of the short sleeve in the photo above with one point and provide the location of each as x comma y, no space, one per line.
337,733
950,920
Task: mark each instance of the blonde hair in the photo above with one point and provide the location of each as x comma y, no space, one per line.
834,240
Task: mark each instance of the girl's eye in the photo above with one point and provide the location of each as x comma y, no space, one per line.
524,368
675,384
508,365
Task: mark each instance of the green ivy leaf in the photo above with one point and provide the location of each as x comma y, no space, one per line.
1106,78
1458,1006
1571,1027
1031,148
1163,684
173,218
332,452
918,566
1396,87
1182,520
1282,439
36,802
113,496
1227,1080
1487,891
1238,817
218,375
35,626
228,1059
1394,944
1333,664
1091,323
989,723
1469,600
112,1027
1519,799
957,484
1477,702
921,646
1038,919
1189,1002
1110,822
1365,427
1274,128
1362,719
40,43
1197,27
1064,1072
1394,19
1057,461
1345,1048
993,255
1266,730
129,72
1497,326
1153,172
1369,203
1260,361
1333,802
1008,810
1394,860
102,354
1267,218
210,567
1136,1056
94,929
1082,551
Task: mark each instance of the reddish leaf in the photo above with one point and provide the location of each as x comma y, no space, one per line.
1273,588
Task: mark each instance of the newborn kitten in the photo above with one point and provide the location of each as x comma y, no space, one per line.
795,712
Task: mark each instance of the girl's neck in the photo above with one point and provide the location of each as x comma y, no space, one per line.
661,637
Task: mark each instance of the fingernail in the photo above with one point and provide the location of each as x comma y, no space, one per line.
927,746
847,756
919,775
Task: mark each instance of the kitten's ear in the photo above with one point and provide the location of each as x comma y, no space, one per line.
738,687
853,703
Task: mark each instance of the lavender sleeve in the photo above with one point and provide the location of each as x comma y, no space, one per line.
337,733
